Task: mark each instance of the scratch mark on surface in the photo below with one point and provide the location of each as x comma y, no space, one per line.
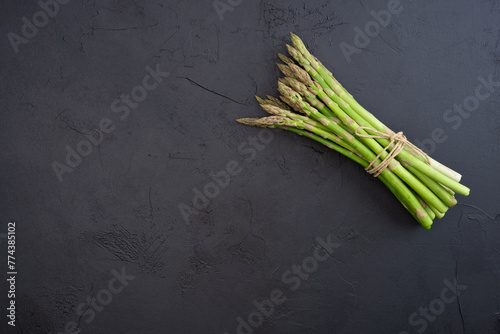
277,268
350,284
126,28
392,47
212,91
168,39
88,306
420,19
452,45
479,209
72,128
174,156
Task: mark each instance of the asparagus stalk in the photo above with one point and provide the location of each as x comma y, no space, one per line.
308,124
315,105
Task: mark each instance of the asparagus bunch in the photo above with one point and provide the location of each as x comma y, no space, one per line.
314,104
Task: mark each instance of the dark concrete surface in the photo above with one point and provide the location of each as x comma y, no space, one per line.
107,250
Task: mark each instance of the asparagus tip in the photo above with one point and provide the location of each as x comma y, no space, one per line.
271,109
260,100
297,42
285,69
285,59
248,121
282,87
283,81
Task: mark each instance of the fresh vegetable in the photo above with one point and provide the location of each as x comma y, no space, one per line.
314,104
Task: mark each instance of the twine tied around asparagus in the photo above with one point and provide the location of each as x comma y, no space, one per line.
400,141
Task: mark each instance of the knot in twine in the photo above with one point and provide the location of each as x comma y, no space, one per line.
400,141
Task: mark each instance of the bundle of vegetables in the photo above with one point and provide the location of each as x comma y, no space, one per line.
315,105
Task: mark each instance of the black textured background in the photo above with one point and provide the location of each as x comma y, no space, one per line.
119,207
